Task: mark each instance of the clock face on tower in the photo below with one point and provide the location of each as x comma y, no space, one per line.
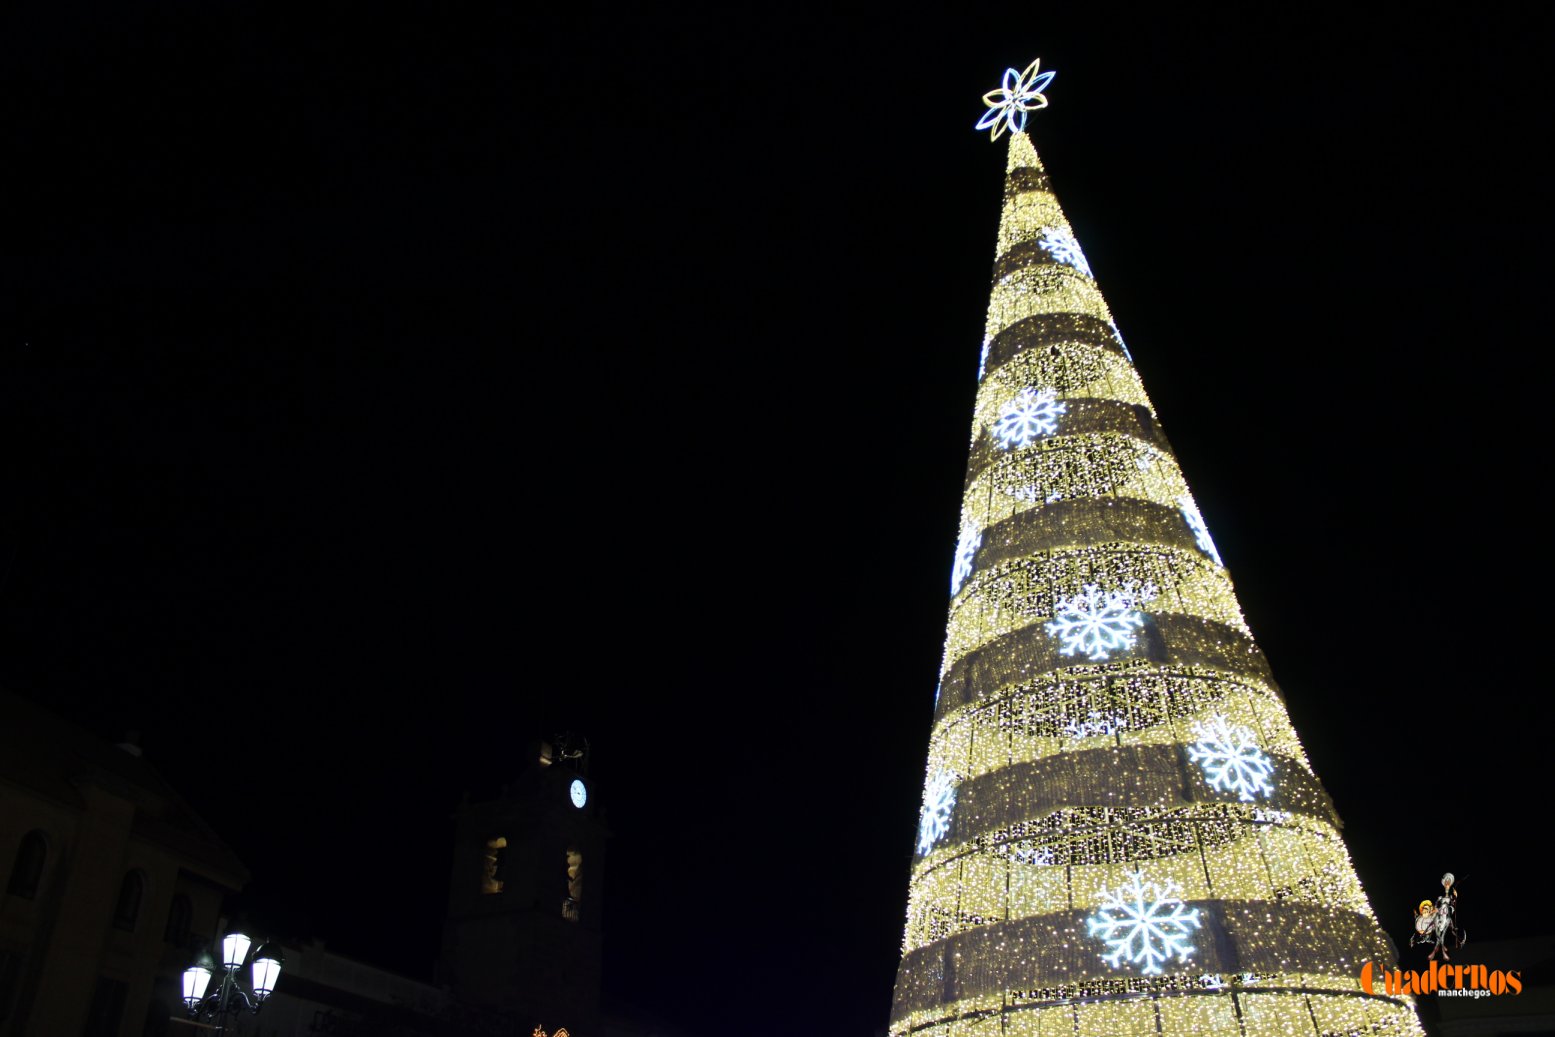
579,793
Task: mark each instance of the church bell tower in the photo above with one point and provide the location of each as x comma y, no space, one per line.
522,936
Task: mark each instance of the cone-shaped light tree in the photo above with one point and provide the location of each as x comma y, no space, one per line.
1120,833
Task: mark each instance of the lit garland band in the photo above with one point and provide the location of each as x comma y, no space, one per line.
1125,835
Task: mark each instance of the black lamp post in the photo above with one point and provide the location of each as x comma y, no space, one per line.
265,970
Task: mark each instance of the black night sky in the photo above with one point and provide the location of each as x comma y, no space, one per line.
385,386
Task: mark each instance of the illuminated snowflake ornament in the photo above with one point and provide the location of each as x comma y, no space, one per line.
1059,243
1190,514
1032,413
982,361
1144,923
1097,723
1231,759
1025,853
939,800
1008,105
966,553
1094,624
1121,344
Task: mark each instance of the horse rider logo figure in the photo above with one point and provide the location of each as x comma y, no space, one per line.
1437,924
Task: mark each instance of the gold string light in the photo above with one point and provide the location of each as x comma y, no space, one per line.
1160,758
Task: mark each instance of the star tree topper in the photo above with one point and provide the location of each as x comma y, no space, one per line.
1008,105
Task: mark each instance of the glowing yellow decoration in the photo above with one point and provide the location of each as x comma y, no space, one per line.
1074,773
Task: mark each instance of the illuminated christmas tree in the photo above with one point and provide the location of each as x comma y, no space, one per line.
1120,832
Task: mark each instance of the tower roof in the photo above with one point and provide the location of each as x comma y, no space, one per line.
53,758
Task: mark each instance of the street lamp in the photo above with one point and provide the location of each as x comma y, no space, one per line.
265,969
